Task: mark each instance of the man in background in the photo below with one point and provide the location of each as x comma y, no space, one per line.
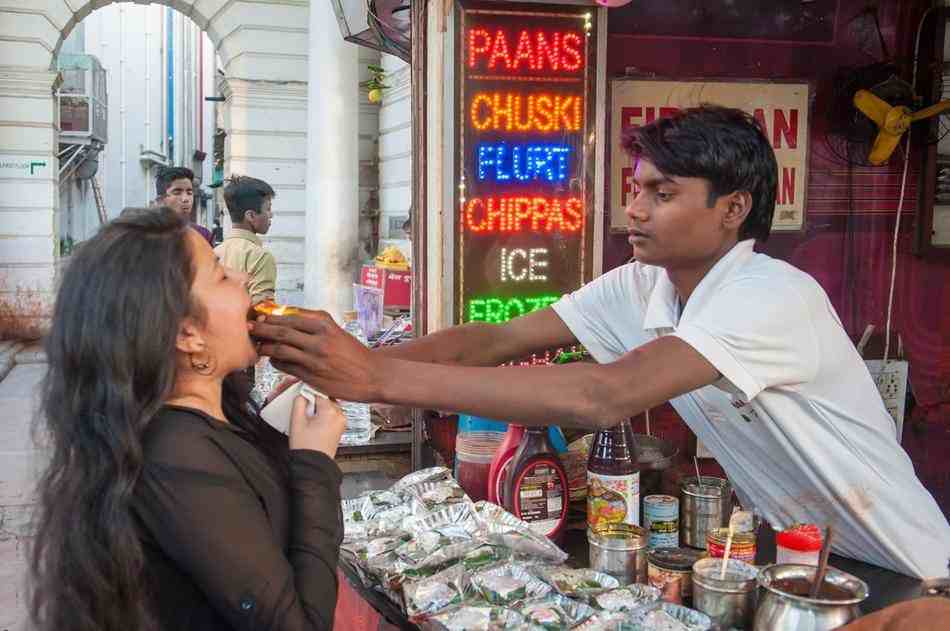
249,205
175,188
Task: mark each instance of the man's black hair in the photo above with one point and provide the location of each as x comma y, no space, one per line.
724,146
167,175
245,193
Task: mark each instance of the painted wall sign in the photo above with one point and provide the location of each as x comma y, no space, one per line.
25,166
525,178
781,109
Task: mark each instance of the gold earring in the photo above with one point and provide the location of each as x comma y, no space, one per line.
202,366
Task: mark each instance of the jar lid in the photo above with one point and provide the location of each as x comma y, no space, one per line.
722,534
680,559
800,537
619,536
709,487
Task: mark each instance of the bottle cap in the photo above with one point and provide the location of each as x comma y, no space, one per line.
800,537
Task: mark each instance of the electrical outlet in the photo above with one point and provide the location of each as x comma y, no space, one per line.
891,382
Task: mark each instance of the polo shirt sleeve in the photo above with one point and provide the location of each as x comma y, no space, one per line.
757,335
595,311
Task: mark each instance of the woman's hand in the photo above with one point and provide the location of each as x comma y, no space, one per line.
320,432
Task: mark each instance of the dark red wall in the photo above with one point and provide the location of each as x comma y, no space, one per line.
850,212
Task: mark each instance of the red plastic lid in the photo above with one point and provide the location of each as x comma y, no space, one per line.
802,538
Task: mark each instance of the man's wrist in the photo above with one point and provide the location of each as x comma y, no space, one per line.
384,371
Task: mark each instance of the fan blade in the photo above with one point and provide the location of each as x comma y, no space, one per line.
872,106
884,146
933,110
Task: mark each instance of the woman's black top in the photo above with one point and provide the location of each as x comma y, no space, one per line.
232,538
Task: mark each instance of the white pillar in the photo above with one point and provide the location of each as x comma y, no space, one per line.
29,197
267,139
332,165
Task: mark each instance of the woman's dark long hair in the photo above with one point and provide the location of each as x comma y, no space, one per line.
112,364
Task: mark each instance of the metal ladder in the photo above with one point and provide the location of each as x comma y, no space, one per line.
100,203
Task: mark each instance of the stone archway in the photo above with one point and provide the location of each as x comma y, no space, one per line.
263,45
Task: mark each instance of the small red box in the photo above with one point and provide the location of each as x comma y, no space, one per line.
396,286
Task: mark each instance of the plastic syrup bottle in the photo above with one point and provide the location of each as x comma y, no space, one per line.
358,423
536,488
613,478
498,472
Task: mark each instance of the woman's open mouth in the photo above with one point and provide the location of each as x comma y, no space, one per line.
269,307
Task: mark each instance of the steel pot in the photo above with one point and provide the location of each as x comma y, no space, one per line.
619,550
703,508
780,610
729,601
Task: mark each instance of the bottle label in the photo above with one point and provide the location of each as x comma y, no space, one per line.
613,499
540,497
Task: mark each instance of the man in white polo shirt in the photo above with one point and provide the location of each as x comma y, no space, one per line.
747,348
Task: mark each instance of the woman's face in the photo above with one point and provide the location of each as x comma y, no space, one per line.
222,292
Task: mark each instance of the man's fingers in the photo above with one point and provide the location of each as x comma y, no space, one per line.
288,354
309,322
301,372
266,332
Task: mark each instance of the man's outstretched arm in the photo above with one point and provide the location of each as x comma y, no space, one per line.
316,350
577,395
482,344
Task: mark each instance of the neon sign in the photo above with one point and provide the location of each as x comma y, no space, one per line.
535,50
520,214
519,264
498,310
513,111
525,175
522,163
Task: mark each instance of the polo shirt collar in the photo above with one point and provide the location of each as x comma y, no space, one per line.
663,307
247,235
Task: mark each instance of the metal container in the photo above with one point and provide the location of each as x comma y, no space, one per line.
780,610
619,550
703,507
661,518
670,570
730,601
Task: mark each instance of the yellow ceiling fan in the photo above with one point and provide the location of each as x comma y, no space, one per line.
891,121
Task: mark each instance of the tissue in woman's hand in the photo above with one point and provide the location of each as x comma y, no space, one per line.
277,413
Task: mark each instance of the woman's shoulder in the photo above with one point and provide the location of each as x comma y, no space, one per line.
183,436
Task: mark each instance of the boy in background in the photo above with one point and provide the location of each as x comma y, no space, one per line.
249,205
175,188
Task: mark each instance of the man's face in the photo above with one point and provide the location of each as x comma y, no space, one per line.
180,197
261,221
669,220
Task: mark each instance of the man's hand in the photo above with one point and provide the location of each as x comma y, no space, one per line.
313,348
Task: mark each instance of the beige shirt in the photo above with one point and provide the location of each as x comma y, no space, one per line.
242,250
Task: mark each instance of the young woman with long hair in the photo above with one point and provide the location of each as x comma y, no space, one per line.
168,503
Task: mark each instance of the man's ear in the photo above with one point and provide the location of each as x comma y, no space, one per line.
190,339
738,207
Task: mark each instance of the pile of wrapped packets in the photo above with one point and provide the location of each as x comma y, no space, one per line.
453,564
